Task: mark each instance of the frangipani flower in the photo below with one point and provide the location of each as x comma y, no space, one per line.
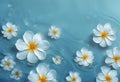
31,47
16,74
42,74
107,75
54,32
84,57
73,77
57,59
7,63
9,30
113,58
103,35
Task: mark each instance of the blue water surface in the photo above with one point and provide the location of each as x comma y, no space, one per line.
76,19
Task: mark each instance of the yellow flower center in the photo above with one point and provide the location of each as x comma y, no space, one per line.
84,56
73,79
7,63
56,59
32,46
9,30
17,73
54,31
42,78
116,58
104,34
107,78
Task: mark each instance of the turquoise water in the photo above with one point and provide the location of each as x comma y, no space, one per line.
76,19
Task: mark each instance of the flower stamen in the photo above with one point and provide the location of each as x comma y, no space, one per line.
116,58
54,31
42,78
84,56
9,30
32,46
107,78
7,63
104,34
73,79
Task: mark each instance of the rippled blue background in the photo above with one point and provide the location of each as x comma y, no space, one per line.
76,18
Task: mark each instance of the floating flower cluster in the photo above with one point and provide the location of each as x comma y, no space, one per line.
33,48
8,64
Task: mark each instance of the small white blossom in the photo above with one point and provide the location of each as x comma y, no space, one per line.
9,30
16,74
84,57
54,32
7,63
103,35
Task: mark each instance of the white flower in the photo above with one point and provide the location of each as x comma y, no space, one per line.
31,47
113,58
84,57
57,59
7,63
107,75
42,74
73,77
9,30
16,74
103,35
54,32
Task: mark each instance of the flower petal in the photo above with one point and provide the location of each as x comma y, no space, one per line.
111,37
116,51
107,27
109,60
31,57
20,45
85,63
113,73
115,65
28,36
33,77
40,54
22,55
51,75
101,76
99,27
44,45
78,53
37,38
115,79
97,39
103,43
109,53
105,70
14,33
9,24
4,27
96,32
42,69
108,42
68,78
84,50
